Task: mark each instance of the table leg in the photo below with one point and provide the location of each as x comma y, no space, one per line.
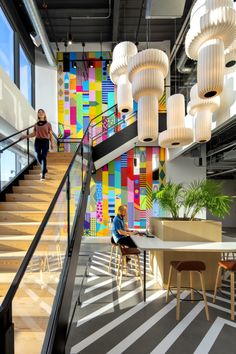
144,275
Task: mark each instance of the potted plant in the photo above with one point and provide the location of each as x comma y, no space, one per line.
183,203
193,198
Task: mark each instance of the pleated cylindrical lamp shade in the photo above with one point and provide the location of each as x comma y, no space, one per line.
147,71
119,75
230,59
147,118
124,95
212,31
210,69
175,111
203,122
176,134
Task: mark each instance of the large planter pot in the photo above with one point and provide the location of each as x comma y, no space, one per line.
183,230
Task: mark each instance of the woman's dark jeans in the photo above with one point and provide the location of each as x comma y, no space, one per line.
41,149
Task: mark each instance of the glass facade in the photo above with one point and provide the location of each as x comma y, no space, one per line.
25,76
6,46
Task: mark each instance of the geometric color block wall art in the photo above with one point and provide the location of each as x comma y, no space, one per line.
85,92
126,180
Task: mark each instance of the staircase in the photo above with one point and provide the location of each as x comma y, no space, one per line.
20,217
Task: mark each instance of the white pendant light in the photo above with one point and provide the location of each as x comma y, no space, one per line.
202,109
230,58
147,118
147,71
212,31
176,134
118,74
203,121
211,66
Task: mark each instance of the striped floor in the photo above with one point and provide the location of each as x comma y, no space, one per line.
113,321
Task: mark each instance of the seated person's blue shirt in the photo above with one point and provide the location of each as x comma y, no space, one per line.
118,224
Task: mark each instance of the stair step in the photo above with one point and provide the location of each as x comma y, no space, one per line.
26,206
59,171
29,342
43,286
48,177
51,167
37,182
29,197
60,155
34,189
30,228
13,259
22,242
29,216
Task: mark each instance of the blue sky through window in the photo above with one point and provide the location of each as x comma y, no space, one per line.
6,46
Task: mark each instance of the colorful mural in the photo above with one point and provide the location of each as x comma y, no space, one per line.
126,180
84,92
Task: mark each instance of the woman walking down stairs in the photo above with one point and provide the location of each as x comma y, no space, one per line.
20,217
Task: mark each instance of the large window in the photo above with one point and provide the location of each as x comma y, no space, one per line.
25,76
6,46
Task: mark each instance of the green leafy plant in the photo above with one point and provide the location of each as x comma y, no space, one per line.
193,198
170,198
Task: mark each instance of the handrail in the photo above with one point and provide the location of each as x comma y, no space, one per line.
19,132
8,298
94,125
122,120
8,146
21,271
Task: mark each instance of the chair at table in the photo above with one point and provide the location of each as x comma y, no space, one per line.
231,267
114,247
124,253
187,266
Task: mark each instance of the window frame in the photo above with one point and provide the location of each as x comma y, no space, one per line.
20,39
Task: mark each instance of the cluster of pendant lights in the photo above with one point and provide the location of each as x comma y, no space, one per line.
140,76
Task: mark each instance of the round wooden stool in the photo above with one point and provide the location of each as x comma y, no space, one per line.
231,267
187,266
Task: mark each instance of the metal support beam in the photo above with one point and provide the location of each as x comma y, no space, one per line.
116,17
37,22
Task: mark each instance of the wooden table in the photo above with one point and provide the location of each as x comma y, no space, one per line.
155,244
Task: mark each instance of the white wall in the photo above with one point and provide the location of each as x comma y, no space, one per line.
46,89
229,188
185,170
15,111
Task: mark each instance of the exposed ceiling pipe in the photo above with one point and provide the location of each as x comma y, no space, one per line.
181,34
216,151
94,17
181,64
222,173
36,20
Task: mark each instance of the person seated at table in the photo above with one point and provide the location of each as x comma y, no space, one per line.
120,234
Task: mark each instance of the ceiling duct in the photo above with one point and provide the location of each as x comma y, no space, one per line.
164,9
37,23
182,67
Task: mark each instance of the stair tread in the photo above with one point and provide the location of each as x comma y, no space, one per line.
21,254
28,212
6,223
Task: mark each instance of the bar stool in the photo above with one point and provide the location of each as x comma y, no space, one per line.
187,266
231,267
114,247
128,252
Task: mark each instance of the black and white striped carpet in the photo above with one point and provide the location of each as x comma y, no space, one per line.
113,321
